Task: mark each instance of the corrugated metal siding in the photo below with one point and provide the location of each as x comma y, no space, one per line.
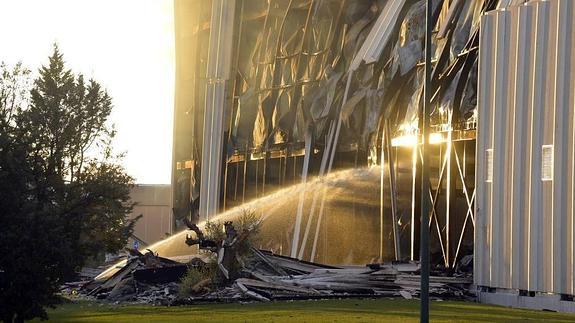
520,87
483,144
524,231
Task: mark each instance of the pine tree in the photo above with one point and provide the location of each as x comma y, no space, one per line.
59,206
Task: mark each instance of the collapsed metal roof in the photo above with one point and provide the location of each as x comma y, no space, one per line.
278,70
295,62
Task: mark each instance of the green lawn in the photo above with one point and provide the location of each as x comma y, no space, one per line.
349,310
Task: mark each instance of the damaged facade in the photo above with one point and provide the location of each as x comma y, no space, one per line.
233,270
299,89
277,96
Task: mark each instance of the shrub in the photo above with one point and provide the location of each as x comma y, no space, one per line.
215,231
248,222
189,283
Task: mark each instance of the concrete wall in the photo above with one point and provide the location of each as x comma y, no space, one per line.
525,150
154,204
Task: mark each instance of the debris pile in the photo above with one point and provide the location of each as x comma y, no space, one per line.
240,275
145,277
273,277
277,277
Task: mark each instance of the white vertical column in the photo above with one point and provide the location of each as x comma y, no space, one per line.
508,216
536,140
483,186
218,73
522,28
563,25
500,265
547,144
571,167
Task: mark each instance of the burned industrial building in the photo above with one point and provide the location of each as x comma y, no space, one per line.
272,94
307,113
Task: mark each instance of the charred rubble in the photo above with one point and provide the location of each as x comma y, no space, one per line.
259,275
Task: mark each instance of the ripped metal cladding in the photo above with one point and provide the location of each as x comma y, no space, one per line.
311,77
280,96
293,74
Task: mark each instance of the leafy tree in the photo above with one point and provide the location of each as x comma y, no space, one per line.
63,195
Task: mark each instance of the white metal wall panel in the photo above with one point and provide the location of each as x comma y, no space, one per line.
524,236
520,88
483,202
548,113
536,140
562,222
511,111
571,153
499,215
525,178
571,156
